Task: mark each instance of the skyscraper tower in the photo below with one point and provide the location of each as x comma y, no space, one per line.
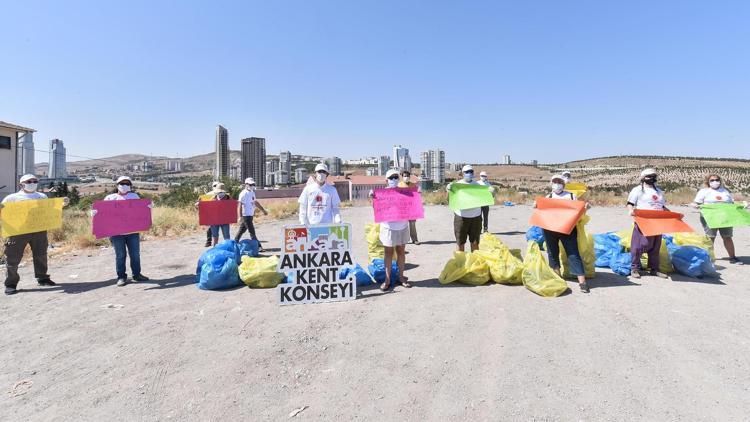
254,160
26,154
57,160
222,152
433,165
401,158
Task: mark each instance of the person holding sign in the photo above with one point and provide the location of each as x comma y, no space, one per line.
647,196
407,183
569,241
393,235
319,202
467,222
219,194
126,244
16,245
483,180
209,237
715,193
247,204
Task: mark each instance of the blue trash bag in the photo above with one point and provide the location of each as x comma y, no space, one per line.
360,275
249,247
219,271
605,245
209,255
289,278
508,204
231,246
377,270
537,235
619,262
691,261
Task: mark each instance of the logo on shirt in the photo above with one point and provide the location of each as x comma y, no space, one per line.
655,197
718,197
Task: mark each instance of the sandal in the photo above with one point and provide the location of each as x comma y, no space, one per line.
404,281
385,286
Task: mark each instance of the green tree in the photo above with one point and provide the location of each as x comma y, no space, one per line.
74,196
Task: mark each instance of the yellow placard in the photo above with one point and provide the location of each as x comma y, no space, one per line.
577,189
31,216
207,197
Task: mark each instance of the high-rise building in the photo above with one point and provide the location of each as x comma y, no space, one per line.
57,160
334,166
433,165
26,154
300,175
270,179
285,161
401,158
173,165
222,152
506,159
281,177
254,160
384,164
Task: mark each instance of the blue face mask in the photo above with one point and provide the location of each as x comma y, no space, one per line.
468,177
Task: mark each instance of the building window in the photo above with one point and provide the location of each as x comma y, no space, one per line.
5,142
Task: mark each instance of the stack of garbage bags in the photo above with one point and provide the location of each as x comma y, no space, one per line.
492,262
231,263
260,272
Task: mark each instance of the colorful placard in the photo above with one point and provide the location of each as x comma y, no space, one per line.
113,218
654,223
216,213
397,204
577,189
719,215
31,216
464,196
557,215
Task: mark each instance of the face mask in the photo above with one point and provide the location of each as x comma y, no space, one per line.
484,178
557,187
714,185
321,177
651,180
392,183
468,177
250,188
30,187
123,188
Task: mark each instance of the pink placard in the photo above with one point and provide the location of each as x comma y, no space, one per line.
114,218
397,204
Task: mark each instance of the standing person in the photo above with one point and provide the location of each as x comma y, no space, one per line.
126,244
394,235
714,193
407,183
16,245
569,241
319,202
247,204
647,196
209,238
483,180
468,222
220,195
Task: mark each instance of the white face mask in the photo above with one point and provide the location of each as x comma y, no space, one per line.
557,187
392,183
123,188
714,185
250,188
30,187
321,177
484,178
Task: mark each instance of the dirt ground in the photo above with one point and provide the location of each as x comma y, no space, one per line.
165,350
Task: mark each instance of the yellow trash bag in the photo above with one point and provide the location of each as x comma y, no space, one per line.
538,276
665,262
504,267
467,268
260,272
490,242
585,249
517,254
375,249
694,239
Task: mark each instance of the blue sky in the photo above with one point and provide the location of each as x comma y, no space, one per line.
546,80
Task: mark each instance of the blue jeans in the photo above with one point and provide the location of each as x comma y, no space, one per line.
127,244
570,244
224,231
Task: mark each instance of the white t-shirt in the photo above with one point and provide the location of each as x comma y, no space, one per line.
23,196
118,197
247,199
563,195
713,196
469,212
647,198
318,204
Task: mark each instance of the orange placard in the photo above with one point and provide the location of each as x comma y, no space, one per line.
557,215
654,223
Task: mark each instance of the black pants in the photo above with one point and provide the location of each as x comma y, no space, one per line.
247,226
14,247
209,237
485,218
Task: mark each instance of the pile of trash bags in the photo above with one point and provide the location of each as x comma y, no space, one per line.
494,261
260,272
231,263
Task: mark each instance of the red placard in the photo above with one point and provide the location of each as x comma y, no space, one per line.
654,223
214,213
557,215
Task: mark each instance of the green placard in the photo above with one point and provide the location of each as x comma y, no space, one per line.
725,215
464,196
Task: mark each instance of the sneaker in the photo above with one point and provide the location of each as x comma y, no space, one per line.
735,261
10,291
635,274
122,281
417,242
584,287
140,277
658,274
46,282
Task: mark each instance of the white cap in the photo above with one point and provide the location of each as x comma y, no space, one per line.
214,183
484,173
466,168
249,181
26,177
566,173
321,167
648,172
557,177
391,172
122,179
219,187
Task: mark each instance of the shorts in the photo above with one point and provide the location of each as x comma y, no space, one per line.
391,238
725,232
464,227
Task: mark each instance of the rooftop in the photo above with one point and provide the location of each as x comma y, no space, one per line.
16,127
